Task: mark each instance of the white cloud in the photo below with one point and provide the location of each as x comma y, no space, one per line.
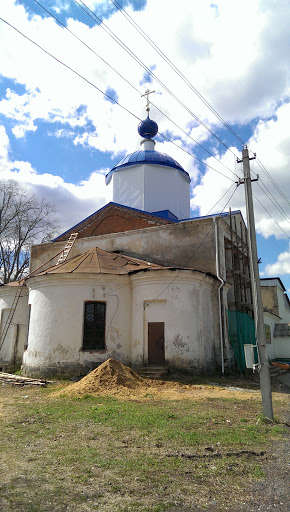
281,266
73,202
270,141
244,77
4,146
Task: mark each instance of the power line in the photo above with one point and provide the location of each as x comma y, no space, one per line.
131,85
196,142
86,45
164,56
272,217
172,65
273,201
273,181
268,193
127,110
190,85
102,25
220,201
268,175
105,94
201,161
100,89
71,69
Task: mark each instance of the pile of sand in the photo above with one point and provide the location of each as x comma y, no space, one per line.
111,377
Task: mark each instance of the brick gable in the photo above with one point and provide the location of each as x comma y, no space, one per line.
113,218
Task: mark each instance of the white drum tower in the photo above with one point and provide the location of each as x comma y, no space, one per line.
149,180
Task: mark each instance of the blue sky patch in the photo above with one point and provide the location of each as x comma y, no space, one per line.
111,93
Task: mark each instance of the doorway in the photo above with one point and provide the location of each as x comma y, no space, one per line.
156,354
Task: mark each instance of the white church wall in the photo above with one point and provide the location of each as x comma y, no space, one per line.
183,197
160,189
57,318
166,189
188,310
188,307
150,188
12,349
126,186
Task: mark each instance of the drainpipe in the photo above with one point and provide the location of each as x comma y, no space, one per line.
219,291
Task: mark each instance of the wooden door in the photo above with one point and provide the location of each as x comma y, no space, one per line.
156,356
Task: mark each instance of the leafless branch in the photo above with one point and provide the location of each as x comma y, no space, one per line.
24,220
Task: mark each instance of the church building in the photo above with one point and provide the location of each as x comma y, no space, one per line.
138,280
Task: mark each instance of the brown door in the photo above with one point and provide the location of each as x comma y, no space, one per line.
156,343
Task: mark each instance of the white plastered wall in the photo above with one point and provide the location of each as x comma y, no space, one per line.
12,349
126,186
56,322
151,188
279,347
187,303
166,189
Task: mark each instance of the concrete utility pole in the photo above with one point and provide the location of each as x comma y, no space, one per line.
265,382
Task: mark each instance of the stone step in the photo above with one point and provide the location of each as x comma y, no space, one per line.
152,372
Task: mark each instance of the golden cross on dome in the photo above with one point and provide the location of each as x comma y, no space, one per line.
147,97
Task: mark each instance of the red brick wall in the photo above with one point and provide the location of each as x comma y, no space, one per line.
114,219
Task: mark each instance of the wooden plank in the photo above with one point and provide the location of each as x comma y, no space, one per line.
21,380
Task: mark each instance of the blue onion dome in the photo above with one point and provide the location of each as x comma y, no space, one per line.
147,128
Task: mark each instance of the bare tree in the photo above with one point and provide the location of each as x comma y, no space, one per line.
24,220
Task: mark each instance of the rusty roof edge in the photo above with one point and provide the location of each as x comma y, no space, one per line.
171,269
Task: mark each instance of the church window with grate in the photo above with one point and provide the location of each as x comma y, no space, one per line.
94,326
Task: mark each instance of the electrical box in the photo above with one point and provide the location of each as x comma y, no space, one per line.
249,356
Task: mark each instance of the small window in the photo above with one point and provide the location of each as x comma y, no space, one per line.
94,325
282,330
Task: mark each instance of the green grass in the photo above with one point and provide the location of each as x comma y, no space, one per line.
99,453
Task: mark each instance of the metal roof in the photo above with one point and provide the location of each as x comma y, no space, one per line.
148,157
98,261
272,281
